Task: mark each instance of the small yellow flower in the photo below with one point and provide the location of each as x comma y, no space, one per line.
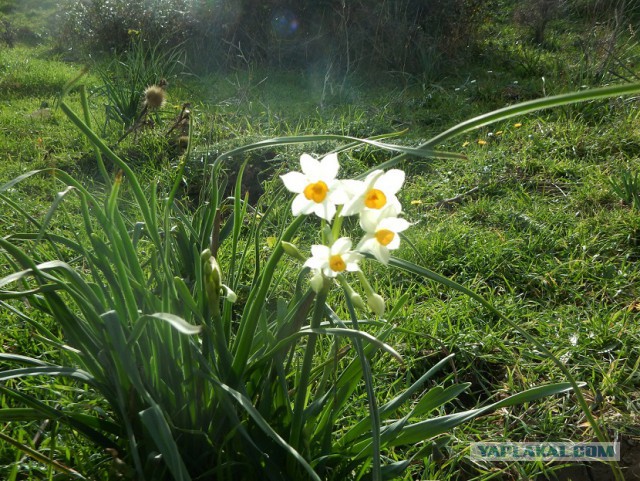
271,241
499,132
482,142
518,125
416,202
466,143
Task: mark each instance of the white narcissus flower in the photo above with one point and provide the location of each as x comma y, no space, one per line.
376,192
317,187
332,260
382,228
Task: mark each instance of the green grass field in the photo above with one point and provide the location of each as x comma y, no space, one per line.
531,221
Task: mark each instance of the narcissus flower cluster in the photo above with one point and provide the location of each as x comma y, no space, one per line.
373,200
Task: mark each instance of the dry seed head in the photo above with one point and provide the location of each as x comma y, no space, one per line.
154,97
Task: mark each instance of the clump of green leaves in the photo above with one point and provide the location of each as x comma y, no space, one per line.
626,185
126,76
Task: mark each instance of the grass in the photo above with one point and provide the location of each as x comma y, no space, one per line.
531,222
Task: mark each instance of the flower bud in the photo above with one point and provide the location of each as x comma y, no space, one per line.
376,304
356,300
317,282
212,276
292,251
354,297
229,294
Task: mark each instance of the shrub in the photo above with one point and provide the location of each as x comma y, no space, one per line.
407,35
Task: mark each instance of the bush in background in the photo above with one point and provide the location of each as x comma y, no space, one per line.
403,35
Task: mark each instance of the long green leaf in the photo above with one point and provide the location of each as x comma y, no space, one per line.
330,331
515,111
424,430
176,322
70,372
248,406
93,428
60,196
156,423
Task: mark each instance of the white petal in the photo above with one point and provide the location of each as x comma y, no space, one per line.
301,205
314,263
364,242
321,252
369,219
351,259
371,179
330,166
352,207
391,181
329,272
295,181
353,187
325,210
310,166
394,224
391,210
394,244
394,203
341,246
383,254
380,252
338,194
370,244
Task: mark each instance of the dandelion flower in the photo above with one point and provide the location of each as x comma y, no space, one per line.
376,192
333,260
482,142
382,230
518,125
317,187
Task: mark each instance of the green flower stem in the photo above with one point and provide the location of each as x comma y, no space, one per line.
254,308
297,423
337,224
87,120
374,413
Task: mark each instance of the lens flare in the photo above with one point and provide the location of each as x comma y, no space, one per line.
284,23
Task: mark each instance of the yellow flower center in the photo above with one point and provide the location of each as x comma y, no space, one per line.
375,199
316,192
385,236
336,263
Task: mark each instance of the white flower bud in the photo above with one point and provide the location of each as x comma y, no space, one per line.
317,282
376,304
